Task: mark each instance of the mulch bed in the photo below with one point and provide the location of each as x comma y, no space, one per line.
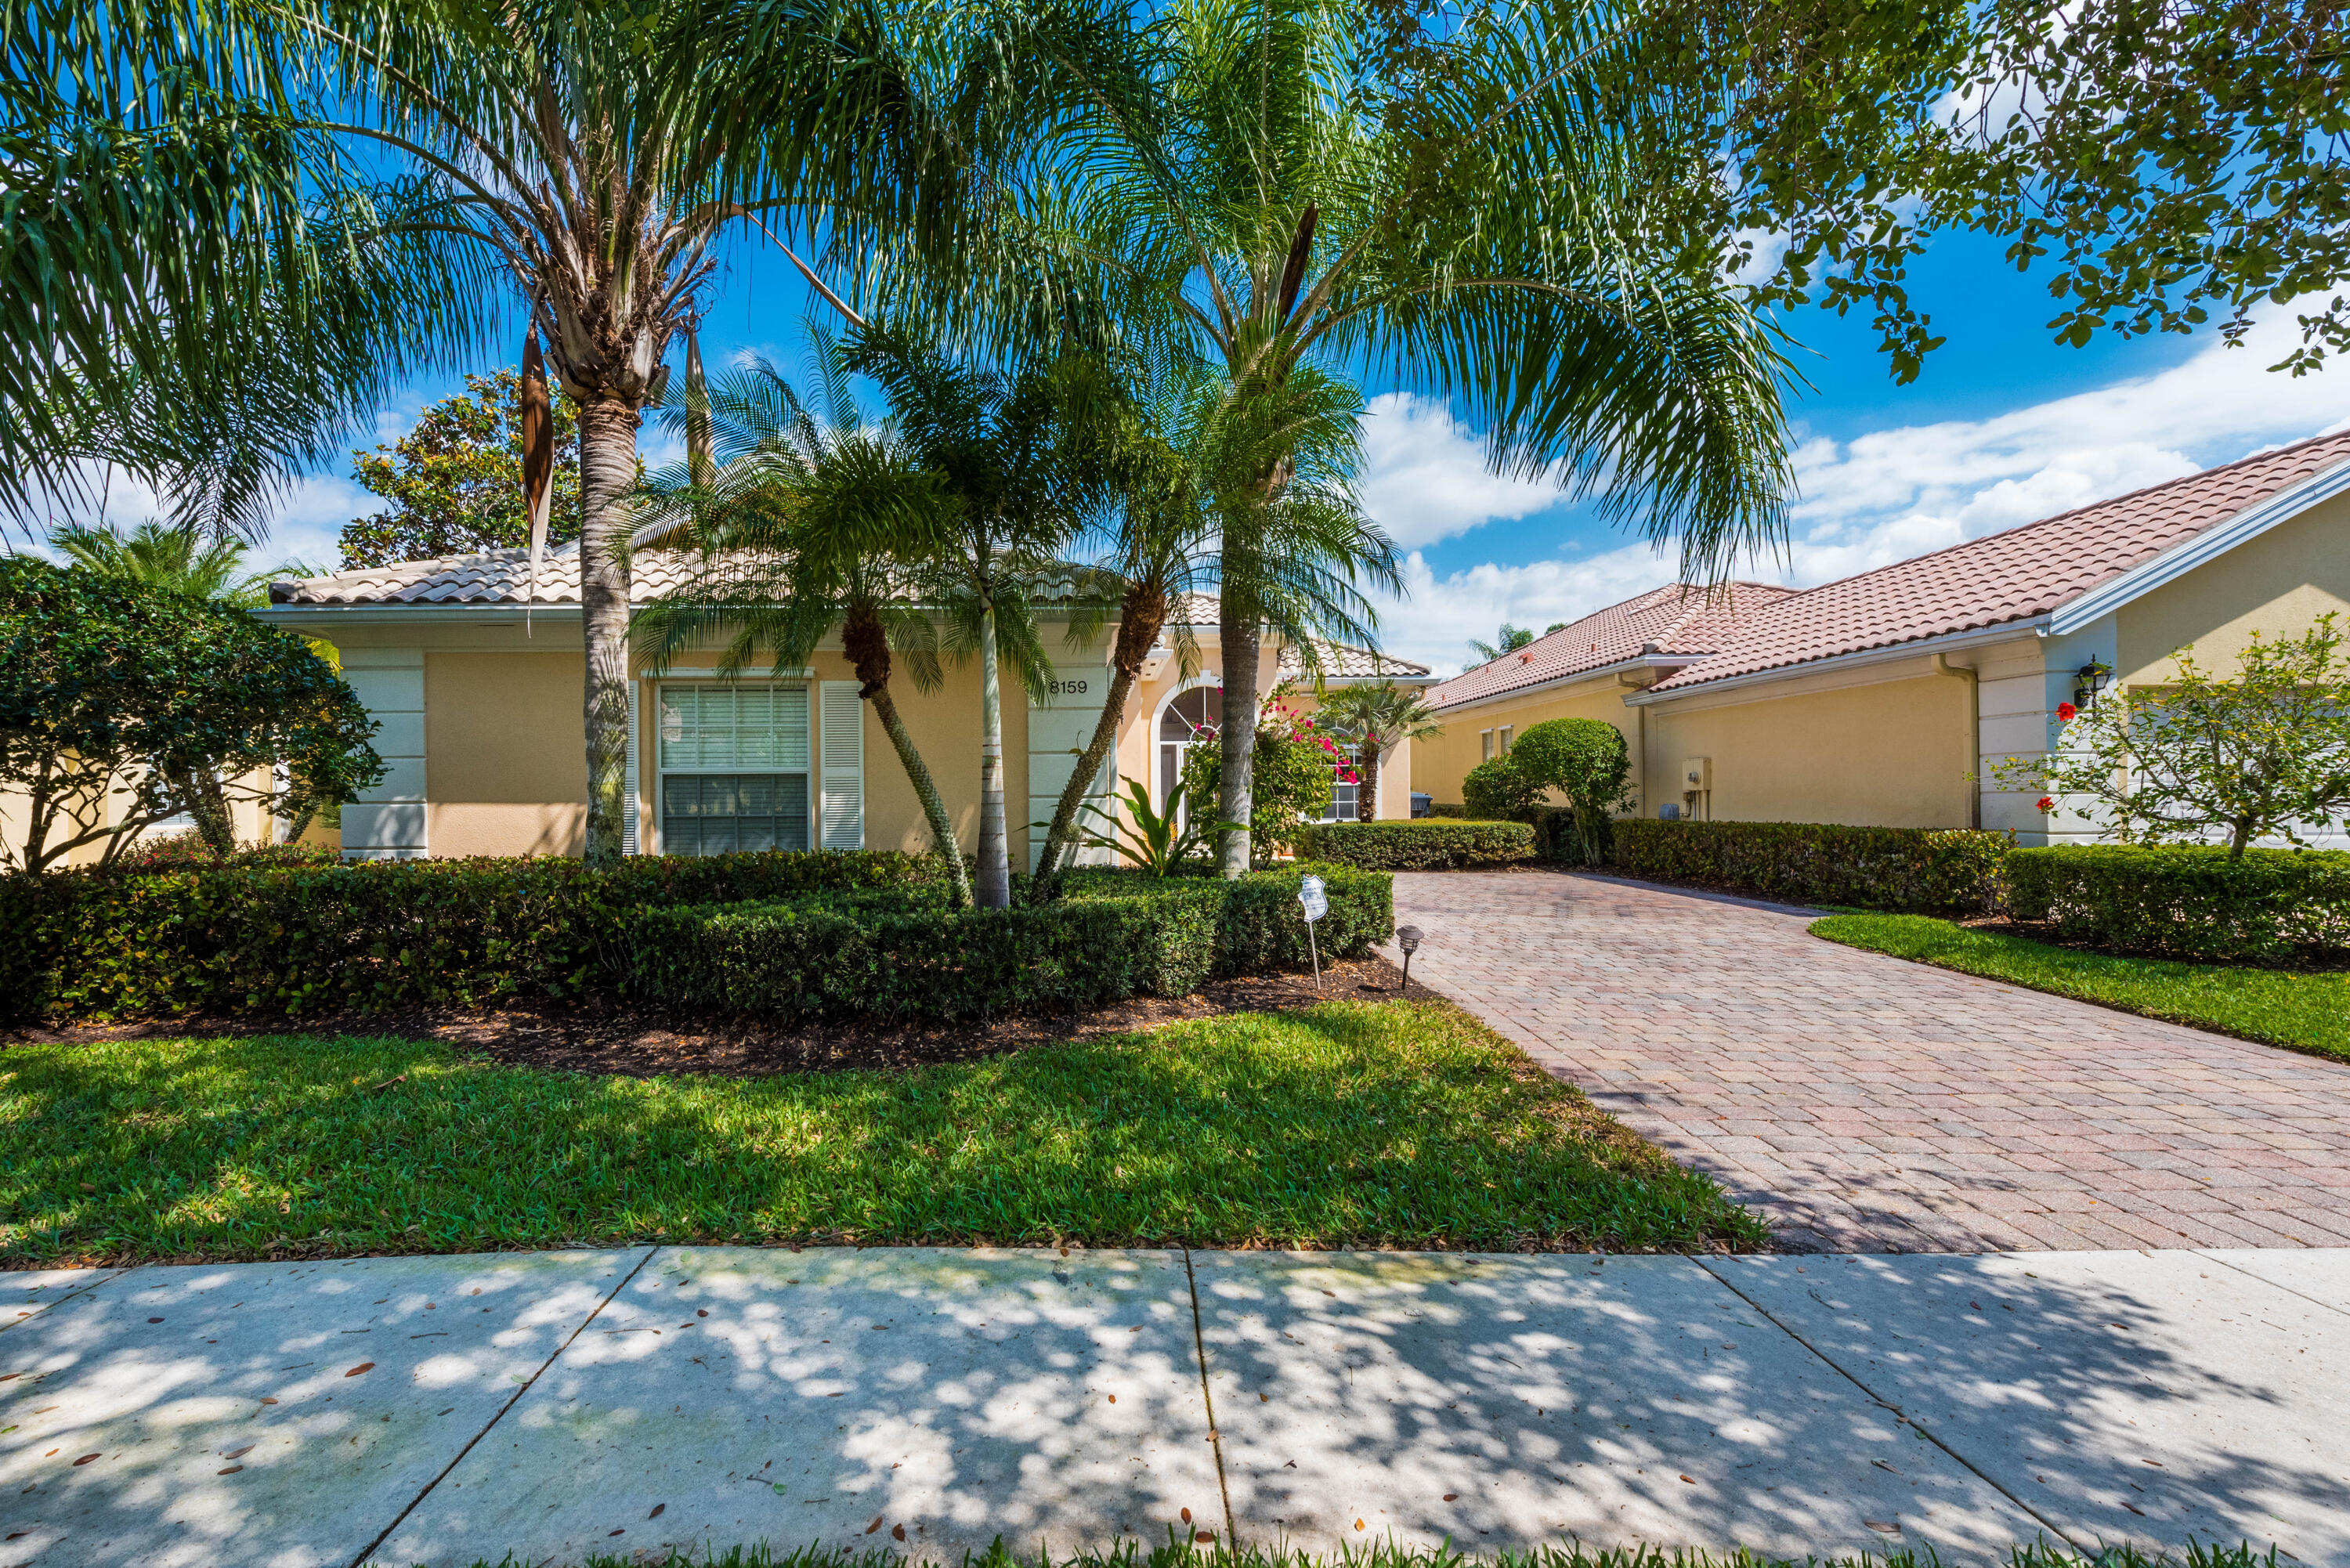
611,1037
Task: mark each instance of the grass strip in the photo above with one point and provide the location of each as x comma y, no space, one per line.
1177,1553
2301,1010
1350,1124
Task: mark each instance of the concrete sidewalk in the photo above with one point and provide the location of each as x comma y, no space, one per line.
434,1410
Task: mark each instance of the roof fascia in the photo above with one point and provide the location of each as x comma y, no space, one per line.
1980,636
1642,662
391,613
2189,554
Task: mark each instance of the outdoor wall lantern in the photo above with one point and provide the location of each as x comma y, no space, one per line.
1407,938
2088,681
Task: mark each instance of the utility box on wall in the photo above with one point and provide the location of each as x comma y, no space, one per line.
1697,773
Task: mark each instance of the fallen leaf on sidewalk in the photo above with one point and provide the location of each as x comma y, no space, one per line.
875,1525
1691,1479
232,1470
898,1531
1451,1496
1878,1524
83,1460
362,1366
238,1453
656,1513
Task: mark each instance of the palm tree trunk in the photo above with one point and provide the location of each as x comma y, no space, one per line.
994,872
1141,617
608,471
1238,632
868,646
1366,782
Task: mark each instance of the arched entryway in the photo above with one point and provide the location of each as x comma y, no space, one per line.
1188,717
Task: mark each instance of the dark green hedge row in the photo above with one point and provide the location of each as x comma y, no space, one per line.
1422,845
908,955
1915,870
2189,902
374,935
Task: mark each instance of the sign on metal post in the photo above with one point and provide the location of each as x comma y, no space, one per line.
1310,893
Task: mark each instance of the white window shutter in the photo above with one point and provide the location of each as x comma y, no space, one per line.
630,842
842,817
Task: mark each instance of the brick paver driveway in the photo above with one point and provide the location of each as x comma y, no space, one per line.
1865,1104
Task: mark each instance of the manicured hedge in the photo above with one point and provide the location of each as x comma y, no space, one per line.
373,935
2189,902
908,955
1421,843
1914,870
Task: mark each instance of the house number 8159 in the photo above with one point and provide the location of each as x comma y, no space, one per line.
1067,688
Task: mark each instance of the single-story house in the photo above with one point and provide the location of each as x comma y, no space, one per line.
1887,697
481,722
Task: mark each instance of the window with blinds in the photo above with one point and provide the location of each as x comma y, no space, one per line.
733,765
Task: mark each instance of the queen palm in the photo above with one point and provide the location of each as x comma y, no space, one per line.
799,519
1178,441
1374,720
598,155
1285,183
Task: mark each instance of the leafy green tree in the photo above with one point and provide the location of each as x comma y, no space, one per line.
1374,720
1587,760
2265,754
117,697
1175,440
1495,791
801,522
456,482
1461,205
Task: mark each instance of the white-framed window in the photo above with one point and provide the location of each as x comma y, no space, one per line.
1484,745
1188,720
1501,739
1346,799
732,764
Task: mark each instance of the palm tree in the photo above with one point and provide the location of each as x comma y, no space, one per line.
1179,442
1016,475
596,156
1281,182
166,557
798,520
1375,720
1509,639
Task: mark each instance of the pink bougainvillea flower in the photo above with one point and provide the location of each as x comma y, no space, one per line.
2065,711
2046,803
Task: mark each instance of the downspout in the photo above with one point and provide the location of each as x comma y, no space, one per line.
1640,680
1973,678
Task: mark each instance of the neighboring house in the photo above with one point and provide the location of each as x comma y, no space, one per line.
484,736
1886,698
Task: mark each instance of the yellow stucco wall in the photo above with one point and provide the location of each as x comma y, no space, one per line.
1439,766
505,753
1890,753
2276,585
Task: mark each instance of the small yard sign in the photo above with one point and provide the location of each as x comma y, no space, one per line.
1317,904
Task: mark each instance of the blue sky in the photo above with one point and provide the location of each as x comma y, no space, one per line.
2002,427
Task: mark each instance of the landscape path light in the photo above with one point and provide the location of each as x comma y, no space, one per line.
1407,938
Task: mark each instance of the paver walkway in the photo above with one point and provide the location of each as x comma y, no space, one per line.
1863,1103
442,1410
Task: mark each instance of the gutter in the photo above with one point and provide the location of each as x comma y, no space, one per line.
2005,631
479,615
1619,669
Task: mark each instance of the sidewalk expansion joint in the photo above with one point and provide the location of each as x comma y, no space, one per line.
1208,1400
2264,1280
104,1276
385,1534
1879,1400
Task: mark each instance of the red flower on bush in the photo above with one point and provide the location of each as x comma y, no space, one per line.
2065,711
2046,803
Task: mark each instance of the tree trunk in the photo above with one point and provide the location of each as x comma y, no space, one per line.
208,810
608,471
2243,837
1140,619
1366,782
868,646
993,877
1238,630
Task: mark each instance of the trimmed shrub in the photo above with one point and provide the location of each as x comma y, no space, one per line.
905,954
1494,791
1422,845
372,935
1914,870
2188,901
1558,842
1447,808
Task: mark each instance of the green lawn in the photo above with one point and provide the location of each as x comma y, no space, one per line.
2307,1011
1347,1124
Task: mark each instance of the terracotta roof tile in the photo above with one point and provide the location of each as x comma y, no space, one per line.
2014,576
1674,618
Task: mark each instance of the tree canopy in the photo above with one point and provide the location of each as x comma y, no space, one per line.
456,481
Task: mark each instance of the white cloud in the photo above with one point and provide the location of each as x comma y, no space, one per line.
1424,476
1898,493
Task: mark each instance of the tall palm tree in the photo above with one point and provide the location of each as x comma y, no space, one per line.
1179,442
1281,182
798,520
165,557
596,156
1374,720
1016,476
